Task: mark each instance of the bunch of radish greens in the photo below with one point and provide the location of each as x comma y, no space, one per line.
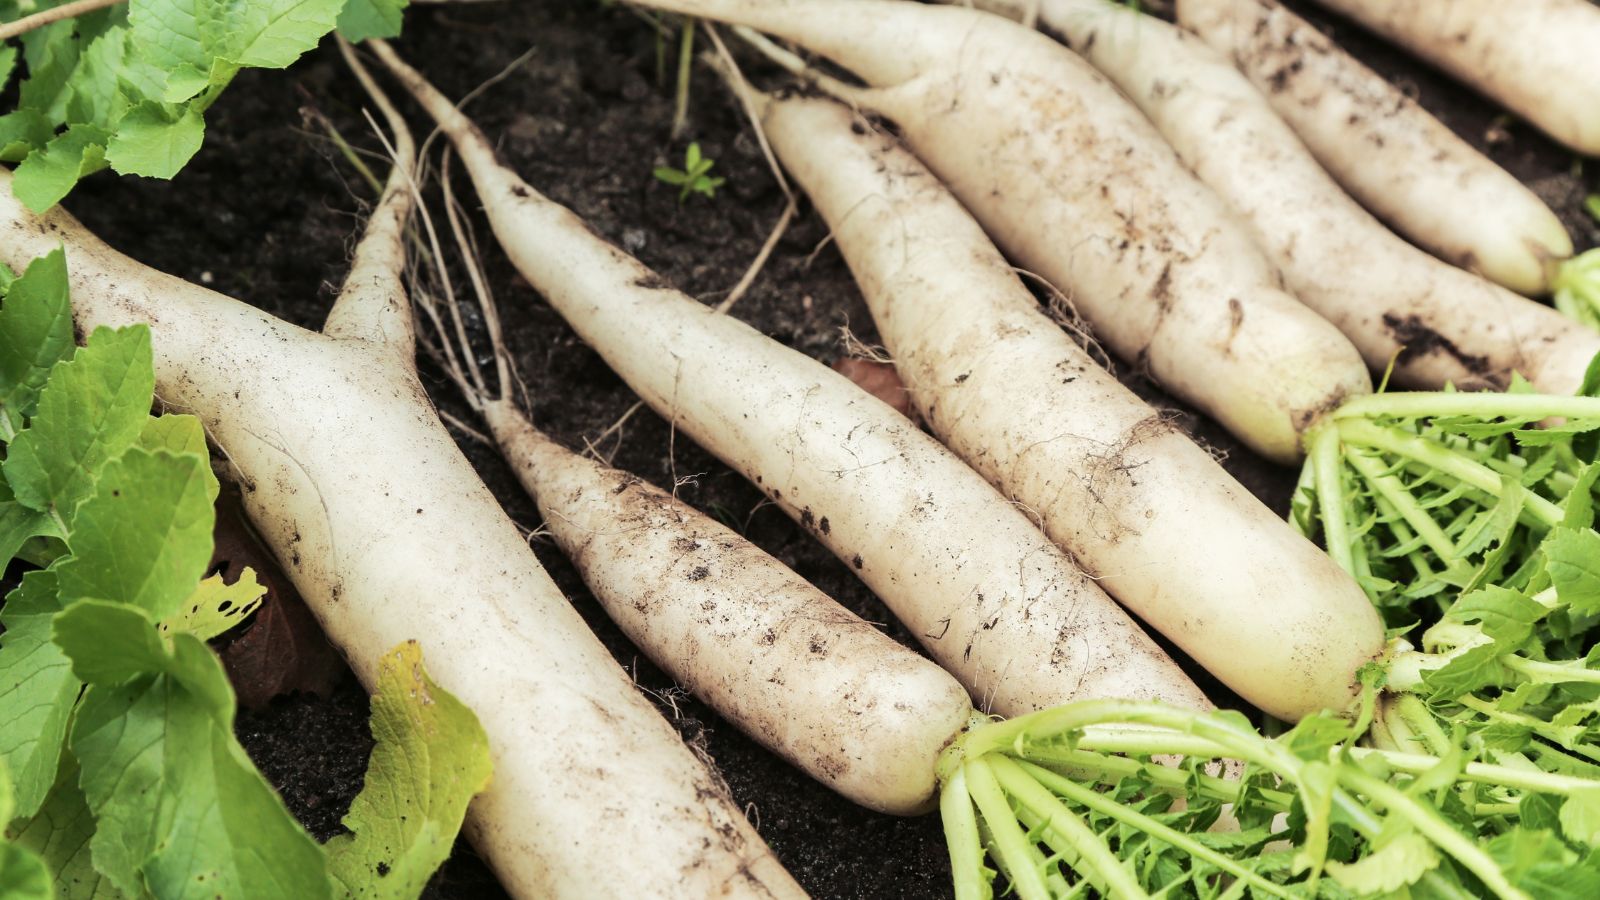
1471,527
127,85
119,772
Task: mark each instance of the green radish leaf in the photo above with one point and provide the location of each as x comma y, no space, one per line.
178,433
1580,816
268,34
1401,862
1573,557
37,690
430,759
18,524
21,130
48,173
156,140
1506,616
60,833
164,741
144,538
216,606
22,875
106,644
35,334
362,19
1475,668
1540,864
91,409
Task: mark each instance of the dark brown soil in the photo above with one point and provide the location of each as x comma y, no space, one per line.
267,212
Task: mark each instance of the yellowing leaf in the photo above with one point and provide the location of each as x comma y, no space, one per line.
215,606
430,759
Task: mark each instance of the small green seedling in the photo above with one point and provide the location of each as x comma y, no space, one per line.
692,177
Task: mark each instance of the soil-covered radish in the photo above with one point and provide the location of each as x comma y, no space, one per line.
389,534
1143,508
1077,186
1438,324
771,653
1535,56
1387,151
986,592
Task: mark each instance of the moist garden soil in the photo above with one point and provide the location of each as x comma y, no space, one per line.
268,212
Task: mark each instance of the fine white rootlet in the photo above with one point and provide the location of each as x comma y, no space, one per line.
1387,151
1075,184
1438,324
1143,508
1535,56
390,536
995,602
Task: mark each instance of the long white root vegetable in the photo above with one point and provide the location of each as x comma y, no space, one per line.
986,592
780,659
390,535
1387,151
1077,186
1535,56
1437,323
1143,508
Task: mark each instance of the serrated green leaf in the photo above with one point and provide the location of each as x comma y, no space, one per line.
49,173
1539,863
268,34
35,334
144,538
180,810
216,606
176,432
1401,862
59,835
106,644
1573,561
22,875
362,19
1580,817
19,524
37,690
8,63
1506,616
52,55
91,409
21,132
431,757
1470,670
156,140
96,95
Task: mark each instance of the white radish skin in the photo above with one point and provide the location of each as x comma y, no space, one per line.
1387,151
1537,57
1144,509
1076,185
1440,324
389,534
995,603
771,653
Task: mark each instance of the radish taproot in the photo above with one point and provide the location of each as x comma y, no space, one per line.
1436,323
1143,508
772,654
1387,151
389,534
1534,56
985,591
1076,185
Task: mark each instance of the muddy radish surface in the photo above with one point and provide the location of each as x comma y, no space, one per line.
267,211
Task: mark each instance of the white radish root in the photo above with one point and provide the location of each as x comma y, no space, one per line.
1537,57
1438,324
1143,508
389,535
992,599
1076,185
1387,151
771,653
